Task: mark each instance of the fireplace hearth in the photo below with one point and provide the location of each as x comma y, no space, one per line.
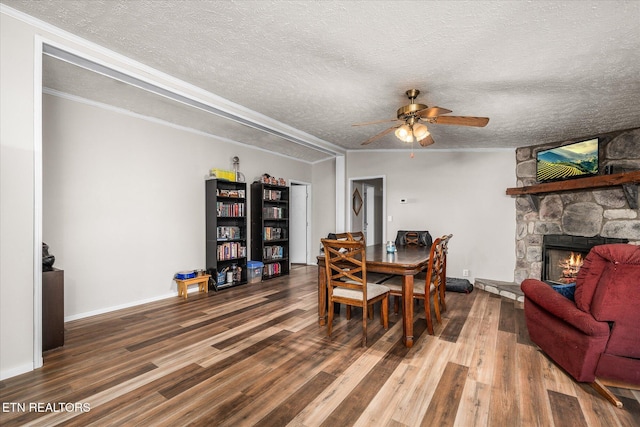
562,255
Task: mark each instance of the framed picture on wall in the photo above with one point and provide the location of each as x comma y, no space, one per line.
356,202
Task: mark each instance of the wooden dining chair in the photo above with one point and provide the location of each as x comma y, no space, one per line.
444,241
346,270
432,284
408,238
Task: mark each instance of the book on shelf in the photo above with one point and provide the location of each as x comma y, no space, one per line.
273,252
228,233
271,195
231,250
226,209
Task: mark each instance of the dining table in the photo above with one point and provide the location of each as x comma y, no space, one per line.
406,261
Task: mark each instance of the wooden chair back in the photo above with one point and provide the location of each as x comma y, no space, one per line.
349,235
345,262
444,242
434,282
435,267
412,238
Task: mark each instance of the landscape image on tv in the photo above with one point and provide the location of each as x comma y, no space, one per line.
569,161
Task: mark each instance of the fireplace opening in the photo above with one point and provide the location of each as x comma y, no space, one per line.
564,266
562,256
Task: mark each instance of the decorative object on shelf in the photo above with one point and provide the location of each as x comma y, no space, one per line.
356,202
223,174
271,180
236,167
47,259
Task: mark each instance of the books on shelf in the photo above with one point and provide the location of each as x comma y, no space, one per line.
271,194
272,269
235,194
231,250
270,212
228,233
273,252
226,209
274,233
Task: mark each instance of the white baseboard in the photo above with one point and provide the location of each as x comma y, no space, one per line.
14,372
126,305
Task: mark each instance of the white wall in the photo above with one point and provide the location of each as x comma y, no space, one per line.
323,201
16,196
123,201
451,192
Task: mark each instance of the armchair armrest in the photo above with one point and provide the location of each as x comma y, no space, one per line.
557,305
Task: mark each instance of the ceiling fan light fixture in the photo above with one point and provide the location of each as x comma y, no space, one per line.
420,131
404,133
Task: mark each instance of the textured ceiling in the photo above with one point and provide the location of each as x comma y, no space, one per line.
542,71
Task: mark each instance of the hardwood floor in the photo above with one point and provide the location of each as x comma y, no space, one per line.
255,355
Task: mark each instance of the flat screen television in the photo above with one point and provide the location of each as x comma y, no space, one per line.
574,160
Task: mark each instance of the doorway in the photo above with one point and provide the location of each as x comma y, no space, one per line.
299,223
370,217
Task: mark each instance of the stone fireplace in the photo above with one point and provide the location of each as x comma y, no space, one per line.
591,213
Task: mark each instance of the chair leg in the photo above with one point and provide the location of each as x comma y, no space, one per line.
443,305
330,322
436,305
348,312
364,325
427,313
396,304
370,311
384,313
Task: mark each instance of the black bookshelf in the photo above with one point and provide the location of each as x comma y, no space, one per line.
226,230
270,228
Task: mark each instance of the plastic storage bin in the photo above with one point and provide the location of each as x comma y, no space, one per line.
254,271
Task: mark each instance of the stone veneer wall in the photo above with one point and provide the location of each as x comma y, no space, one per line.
599,212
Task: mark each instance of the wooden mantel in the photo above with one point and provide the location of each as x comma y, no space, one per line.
627,180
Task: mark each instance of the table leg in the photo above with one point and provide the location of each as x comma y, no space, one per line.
407,310
322,295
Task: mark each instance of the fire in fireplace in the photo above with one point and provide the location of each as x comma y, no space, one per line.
566,270
562,256
570,268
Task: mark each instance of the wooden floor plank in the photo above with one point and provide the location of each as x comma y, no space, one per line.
566,410
443,407
482,361
291,407
474,405
457,314
533,398
255,355
507,316
504,397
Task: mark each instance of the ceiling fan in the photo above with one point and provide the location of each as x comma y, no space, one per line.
413,117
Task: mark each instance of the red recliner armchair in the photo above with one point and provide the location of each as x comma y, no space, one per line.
596,339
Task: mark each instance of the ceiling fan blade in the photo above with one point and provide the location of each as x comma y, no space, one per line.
377,121
432,112
380,135
461,121
427,141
